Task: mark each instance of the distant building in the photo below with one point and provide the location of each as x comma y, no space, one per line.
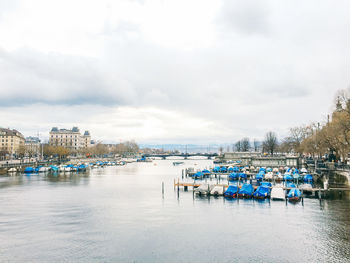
11,141
71,139
32,146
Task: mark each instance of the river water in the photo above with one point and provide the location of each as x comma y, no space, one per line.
117,214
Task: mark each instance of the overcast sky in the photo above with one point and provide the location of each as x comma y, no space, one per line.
178,71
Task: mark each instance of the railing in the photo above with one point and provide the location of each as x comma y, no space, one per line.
33,163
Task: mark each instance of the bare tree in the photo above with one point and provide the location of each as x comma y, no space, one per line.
256,145
245,144
270,143
238,146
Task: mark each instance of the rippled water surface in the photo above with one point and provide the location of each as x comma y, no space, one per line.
117,214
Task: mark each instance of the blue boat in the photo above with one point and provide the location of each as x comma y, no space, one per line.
262,192
216,169
308,178
294,194
230,169
296,171
29,170
266,184
198,175
233,176
296,176
259,176
54,168
246,191
231,191
223,169
82,167
262,169
287,177
236,169
290,185
206,172
242,176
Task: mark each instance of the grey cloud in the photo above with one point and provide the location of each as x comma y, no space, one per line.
30,77
244,16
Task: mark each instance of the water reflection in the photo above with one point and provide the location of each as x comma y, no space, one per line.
118,214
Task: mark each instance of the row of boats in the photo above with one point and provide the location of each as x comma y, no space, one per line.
263,174
247,191
70,167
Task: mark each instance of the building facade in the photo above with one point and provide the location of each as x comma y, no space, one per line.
32,146
11,141
71,139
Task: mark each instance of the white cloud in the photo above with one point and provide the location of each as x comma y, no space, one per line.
219,70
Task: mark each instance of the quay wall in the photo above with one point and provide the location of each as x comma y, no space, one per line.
255,159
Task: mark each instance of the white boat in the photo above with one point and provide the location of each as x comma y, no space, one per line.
203,189
269,176
67,169
303,170
217,190
278,193
279,176
12,170
44,169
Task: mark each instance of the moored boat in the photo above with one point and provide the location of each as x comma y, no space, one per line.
246,191
233,176
308,178
217,190
203,189
278,193
12,170
294,195
231,191
262,192
287,177
198,175
29,170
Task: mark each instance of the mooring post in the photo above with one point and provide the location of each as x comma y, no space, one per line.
302,197
286,197
182,173
319,195
163,190
178,184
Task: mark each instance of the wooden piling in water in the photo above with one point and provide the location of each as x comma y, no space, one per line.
163,190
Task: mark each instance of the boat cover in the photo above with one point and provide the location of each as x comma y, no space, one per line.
29,170
246,189
287,177
294,192
242,175
262,191
308,177
198,175
266,184
233,176
223,169
216,169
231,190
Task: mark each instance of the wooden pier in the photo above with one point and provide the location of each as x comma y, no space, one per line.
186,185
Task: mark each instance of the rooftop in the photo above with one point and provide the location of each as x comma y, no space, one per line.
9,132
73,130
